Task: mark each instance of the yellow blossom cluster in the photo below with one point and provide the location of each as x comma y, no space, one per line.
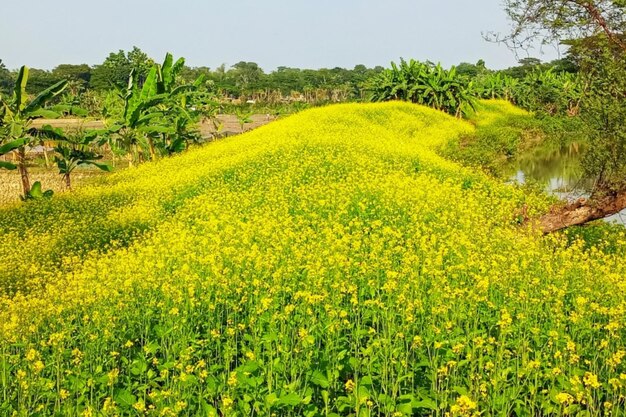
332,263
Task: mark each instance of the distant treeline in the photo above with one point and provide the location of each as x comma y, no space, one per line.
243,80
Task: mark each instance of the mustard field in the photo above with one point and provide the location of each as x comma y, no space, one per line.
329,264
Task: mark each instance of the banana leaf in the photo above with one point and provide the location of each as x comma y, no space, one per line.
45,96
19,91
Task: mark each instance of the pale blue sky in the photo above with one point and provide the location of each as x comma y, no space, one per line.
297,33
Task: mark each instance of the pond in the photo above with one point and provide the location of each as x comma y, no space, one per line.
558,170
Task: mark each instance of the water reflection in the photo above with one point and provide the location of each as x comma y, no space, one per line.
558,170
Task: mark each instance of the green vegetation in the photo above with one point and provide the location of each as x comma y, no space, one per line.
73,151
16,116
353,260
508,132
158,118
426,84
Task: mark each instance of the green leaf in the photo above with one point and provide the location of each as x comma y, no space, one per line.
124,398
366,381
138,367
128,95
8,147
103,167
52,132
292,400
176,68
184,89
7,165
44,113
45,96
35,190
37,193
198,82
363,392
70,110
149,88
19,92
271,399
166,73
319,379
208,410
405,408
427,403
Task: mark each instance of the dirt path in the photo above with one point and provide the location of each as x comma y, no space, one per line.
230,124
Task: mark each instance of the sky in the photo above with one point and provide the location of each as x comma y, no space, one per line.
272,33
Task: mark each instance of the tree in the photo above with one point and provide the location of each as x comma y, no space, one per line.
286,80
6,81
551,21
247,76
471,71
73,151
76,75
243,118
597,27
40,80
114,71
140,62
16,116
157,115
424,83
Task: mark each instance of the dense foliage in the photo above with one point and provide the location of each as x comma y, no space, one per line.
158,116
244,80
329,264
424,83
544,89
603,109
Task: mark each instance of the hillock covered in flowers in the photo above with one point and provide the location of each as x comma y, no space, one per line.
332,263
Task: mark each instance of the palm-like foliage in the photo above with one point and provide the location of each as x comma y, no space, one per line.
424,83
73,150
158,117
550,91
16,115
496,85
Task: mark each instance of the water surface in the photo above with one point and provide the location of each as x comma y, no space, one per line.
558,170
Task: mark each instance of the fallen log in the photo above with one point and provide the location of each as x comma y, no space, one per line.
582,211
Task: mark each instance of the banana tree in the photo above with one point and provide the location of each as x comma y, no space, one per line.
243,118
173,128
424,83
74,150
16,116
157,116
71,155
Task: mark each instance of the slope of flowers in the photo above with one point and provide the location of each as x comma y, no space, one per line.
329,264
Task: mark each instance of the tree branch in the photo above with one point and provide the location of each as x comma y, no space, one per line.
597,16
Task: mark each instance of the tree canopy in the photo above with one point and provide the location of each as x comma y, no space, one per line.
555,20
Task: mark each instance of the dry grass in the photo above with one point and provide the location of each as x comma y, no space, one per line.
11,187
